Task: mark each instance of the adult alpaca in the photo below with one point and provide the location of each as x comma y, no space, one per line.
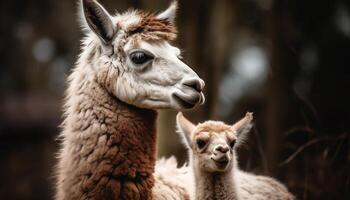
126,70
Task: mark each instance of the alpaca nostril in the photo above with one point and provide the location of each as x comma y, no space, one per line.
194,83
222,149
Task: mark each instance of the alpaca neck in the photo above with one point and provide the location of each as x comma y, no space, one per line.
215,185
109,147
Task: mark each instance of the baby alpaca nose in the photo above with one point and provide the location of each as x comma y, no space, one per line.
222,149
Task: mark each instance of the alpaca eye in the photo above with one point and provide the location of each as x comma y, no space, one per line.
232,144
139,57
201,143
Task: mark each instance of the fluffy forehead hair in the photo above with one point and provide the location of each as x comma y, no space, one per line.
212,126
150,27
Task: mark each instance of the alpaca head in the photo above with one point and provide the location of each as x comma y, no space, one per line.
213,143
130,55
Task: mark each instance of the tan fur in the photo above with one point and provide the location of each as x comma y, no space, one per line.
211,127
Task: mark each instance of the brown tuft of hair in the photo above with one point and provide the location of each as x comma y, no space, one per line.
152,28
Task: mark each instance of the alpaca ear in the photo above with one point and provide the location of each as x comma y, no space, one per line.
184,128
98,20
170,13
243,126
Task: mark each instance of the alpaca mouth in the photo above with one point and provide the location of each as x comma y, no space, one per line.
221,162
188,101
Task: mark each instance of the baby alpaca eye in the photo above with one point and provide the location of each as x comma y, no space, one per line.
232,144
201,143
139,57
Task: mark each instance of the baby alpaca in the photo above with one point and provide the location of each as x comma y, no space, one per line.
213,159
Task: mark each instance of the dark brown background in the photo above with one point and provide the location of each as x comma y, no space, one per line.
285,60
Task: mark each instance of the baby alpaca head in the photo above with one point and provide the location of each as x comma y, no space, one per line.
213,143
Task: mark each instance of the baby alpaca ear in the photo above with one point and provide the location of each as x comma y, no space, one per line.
170,13
98,20
184,128
243,126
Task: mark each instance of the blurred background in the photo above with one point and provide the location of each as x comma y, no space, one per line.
288,61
